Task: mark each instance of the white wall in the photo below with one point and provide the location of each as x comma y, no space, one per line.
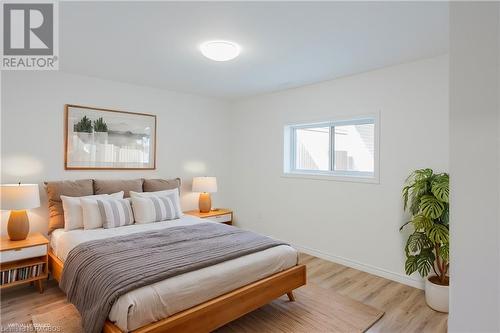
474,171
191,138
353,223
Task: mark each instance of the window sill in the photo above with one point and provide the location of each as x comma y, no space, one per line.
331,177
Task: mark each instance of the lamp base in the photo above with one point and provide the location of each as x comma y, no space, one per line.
205,202
18,226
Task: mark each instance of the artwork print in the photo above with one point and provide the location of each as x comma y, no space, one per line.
109,139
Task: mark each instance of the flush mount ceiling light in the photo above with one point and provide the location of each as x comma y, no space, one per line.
220,50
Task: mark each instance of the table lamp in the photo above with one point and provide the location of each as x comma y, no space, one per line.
17,198
205,185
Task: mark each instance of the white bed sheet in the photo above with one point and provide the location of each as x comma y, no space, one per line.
165,298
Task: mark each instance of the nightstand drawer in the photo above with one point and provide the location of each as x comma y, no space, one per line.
220,218
23,253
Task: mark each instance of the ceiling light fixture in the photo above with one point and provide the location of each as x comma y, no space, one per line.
220,50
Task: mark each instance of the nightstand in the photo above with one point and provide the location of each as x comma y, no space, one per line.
222,215
23,261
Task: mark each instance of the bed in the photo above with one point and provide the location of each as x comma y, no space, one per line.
197,301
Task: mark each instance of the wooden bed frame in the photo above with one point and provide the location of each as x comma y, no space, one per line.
219,311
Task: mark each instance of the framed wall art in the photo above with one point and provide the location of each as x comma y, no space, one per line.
108,139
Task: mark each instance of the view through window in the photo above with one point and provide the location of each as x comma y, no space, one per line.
332,148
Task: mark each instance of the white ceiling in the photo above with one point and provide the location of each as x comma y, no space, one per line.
284,44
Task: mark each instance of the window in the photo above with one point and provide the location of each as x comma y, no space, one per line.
312,148
342,149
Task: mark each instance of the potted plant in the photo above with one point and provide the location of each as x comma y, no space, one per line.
100,138
100,126
100,130
82,138
83,126
83,129
426,196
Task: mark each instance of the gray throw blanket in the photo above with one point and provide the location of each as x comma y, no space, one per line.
97,273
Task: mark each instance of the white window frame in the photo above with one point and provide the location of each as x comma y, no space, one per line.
289,150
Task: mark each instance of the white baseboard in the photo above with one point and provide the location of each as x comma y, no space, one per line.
404,279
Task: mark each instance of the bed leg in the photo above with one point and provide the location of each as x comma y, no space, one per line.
290,296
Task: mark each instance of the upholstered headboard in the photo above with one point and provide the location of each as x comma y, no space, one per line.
83,187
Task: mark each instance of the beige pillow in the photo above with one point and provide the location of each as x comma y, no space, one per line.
71,188
92,218
153,185
112,186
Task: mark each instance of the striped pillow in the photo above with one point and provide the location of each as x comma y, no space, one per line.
148,209
164,208
115,213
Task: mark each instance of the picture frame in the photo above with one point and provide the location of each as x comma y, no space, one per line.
105,139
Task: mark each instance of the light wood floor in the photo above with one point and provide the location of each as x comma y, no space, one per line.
405,308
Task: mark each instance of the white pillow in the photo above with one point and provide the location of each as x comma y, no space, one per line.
91,214
73,216
175,192
155,208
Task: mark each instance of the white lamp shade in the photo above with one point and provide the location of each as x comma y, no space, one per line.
19,196
205,184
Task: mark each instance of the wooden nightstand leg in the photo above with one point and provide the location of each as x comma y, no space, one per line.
39,285
290,296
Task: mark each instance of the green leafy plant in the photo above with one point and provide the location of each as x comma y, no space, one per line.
426,197
100,125
84,125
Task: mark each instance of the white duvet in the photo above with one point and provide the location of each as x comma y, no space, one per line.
165,298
